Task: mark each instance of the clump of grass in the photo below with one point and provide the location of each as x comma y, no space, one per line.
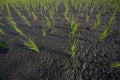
30,44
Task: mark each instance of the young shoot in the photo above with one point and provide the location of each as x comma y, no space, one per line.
106,29
25,20
14,27
30,44
44,30
34,16
74,30
97,21
66,13
104,34
48,22
87,18
116,65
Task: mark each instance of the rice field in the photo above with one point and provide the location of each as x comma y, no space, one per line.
59,39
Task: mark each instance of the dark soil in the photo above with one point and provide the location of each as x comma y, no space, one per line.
54,62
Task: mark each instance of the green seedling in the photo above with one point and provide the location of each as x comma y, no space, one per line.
48,22
97,21
104,34
74,30
66,10
25,20
73,45
21,16
72,23
17,30
44,30
73,49
13,24
106,31
116,65
2,32
34,16
30,44
87,18
8,10
51,13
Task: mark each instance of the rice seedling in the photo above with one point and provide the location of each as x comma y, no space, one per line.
48,22
73,37
74,48
34,16
74,30
2,32
72,22
116,65
25,20
30,44
104,34
56,5
51,13
87,18
21,16
97,21
44,30
106,29
66,13
8,10
14,27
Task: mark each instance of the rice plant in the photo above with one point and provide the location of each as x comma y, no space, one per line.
74,47
74,30
97,21
87,18
106,30
104,34
25,20
30,44
14,27
116,65
21,16
66,13
44,30
51,13
8,10
48,22
34,16
73,37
